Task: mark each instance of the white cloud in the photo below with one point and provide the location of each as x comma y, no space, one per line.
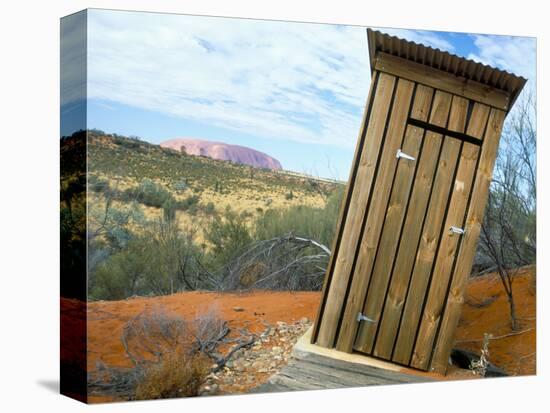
427,38
513,54
517,55
304,82
296,81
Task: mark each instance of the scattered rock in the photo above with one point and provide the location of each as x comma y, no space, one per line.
250,367
238,309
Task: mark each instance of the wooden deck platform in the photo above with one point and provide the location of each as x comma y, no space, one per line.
313,367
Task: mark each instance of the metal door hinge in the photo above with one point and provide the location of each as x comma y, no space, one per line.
362,317
401,154
457,230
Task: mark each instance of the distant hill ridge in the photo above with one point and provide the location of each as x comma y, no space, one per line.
223,151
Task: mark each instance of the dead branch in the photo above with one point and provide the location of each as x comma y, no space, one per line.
221,361
515,333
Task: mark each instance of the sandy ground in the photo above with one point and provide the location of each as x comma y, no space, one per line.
485,311
106,318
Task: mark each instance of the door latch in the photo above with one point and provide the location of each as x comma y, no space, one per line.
457,230
401,154
362,317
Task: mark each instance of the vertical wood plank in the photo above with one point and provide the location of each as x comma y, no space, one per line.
356,211
395,215
437,289
457,123
343,206
402,271
478,120
388,240
422,103
467,250
423,262
450,242
372,226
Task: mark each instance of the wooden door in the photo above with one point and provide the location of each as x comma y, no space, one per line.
421,191
422,228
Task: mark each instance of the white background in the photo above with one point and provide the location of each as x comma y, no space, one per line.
29,174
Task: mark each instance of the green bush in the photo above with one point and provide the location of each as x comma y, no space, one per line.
301,220
189,204
97,184
169,209
122,274
209,208
149,193
181,185
228,234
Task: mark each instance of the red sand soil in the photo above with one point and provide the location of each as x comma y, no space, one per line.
106,318
513,351
485,311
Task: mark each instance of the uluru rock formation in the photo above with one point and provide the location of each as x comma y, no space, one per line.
224,152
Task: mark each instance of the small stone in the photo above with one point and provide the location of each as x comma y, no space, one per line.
304,320
238,309
263,370
276,349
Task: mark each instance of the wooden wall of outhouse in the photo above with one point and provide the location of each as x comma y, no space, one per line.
411,215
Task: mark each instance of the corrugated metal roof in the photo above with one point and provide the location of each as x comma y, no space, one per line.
439,59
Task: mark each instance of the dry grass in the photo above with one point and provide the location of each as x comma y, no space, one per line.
179,374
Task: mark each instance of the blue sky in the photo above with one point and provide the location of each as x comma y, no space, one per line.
293,90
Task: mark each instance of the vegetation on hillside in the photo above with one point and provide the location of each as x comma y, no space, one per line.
193,244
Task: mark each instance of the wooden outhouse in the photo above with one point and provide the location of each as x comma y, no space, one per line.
413,208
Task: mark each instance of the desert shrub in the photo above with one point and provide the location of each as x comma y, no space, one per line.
189,204
170,351
228,234
181,185
122,274
129,143
177,375
301,220
289,196
170,355
97,184
161,260
169,209
209,208
154,334
149,193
